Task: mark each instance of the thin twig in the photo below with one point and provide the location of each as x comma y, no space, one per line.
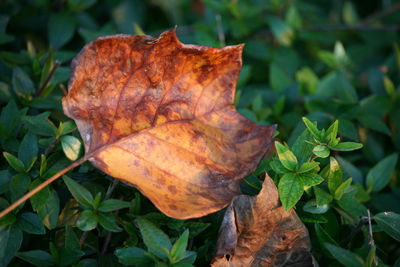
381,13
356,229
220,30
51,146
371,241
63,89
49,76
109,234
41,186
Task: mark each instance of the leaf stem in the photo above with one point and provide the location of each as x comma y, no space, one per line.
41,186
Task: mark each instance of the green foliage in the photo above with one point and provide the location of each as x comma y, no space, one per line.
317,60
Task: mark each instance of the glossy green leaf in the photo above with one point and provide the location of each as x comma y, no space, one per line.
29,222
322,197
290,190
28,149
112,205
345,257
390,223
14,162
286,157
179,247
10,243
312,128
312,207
109,222
308,166
342,189
81,194
321,151
347,146
22,83
87,220
310,179
133,255
37,257
379,176
61,28
71,146
156,241
19,184
335,175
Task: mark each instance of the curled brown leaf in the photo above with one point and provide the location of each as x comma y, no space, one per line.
257,231
159,115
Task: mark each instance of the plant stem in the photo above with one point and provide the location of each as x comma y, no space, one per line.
48,78
41,186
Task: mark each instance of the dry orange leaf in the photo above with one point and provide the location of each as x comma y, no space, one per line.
257,231
159,115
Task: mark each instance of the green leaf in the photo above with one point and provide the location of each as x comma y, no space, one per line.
178,249
46,204
379,176
281,30
351,170
19,184
286,157
67,257
29,222
321,151
61,28
322,197
390,223
112,205
277,166
188,259
347,146
66,128
80,5
40,125
312,128
310,179
279,78
14,162
301,148
312,207
195,228
37,257
132,256
87,220
308,166
342,189
28,149
43,165
350,204
109,222
71,239
10,118
335,175
71,147
22,84
156,241
10,242
345,257
81,194
331,133
290,190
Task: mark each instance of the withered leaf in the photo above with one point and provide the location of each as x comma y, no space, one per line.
159,115
257,231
